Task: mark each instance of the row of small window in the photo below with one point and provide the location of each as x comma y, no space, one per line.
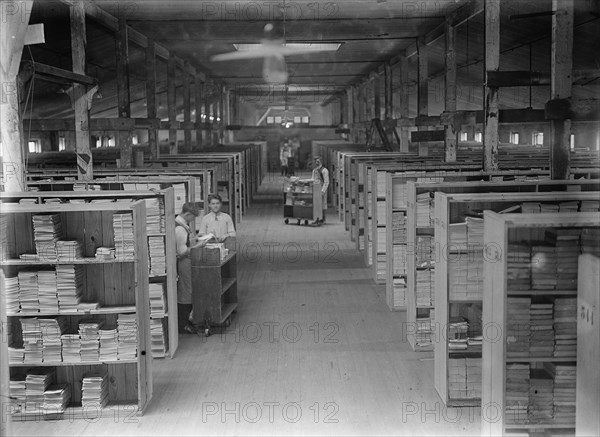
35,146
537,138
297,119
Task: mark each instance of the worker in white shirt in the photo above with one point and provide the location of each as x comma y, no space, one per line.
320,175
216,222
185,241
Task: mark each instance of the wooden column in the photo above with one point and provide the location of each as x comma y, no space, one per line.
342,101
198,104
389,96
151,97
172,103
376,97
452,127
187,107
12,40
366,100
423,88
221,113
123,98
80,99
561,84
404,103
492,63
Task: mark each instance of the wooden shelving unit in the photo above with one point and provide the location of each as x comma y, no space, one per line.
457,260
501,232
122,287
169,279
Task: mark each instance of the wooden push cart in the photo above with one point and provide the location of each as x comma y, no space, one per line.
302,201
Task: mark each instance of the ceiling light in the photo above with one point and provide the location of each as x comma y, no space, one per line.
316,46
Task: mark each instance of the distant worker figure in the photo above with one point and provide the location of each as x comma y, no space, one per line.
284,156
216,222
320,175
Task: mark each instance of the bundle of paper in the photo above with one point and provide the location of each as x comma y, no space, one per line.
71,348
18,391
127,336
546,208
123,236
399,254
108,344
153,216
473,378
424,330
52,329
424,205
565,393
381,239
398,227
541,387
16,355
47,230
542,332
517,393
37,382
565,327
69,283
457,234
105,253
89,333
589,206
517,326
157,257
457,277
56,398
457,378
569,206
157,336
28,291
424,251
180,196
568,248
69,250
157,299
518,267
543,267
590,241
474,233
11,290
32,340
424,287
47,295
94,389
530,208
399,290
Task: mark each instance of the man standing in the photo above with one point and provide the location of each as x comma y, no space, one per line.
185,241
216,222
320,176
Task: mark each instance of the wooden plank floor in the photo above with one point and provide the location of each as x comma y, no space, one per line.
313,350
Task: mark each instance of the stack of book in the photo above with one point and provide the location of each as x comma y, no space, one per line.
424,287
153,216
590,241
47,230
473,378
564,399
52,329
157,336
28,291
399,197
399,291
546,208
589,206
517,393
124,238
565,327
16,355
381,264
18,392
457,277
37,382
47,296
457,333
531,208
157,257
518,326
56,398
424,330
457,378
398,227
11,290
569,206
381,240
566,242
89,333
32,340
69,285
399,264
518,265
69,250
157,299
71,348
543,267
94,389
108,344
105,253
424,251
457,234
127,336
541,328
541,387
475,276
474,233
424,206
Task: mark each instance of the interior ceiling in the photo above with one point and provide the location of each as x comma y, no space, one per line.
372,32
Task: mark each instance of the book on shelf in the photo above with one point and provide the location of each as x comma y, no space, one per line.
37,381
517,393
127,336
11,291
124,237
157,337
157,256
47,230
94,389
108,343
157,299
69,250
69,286
89,334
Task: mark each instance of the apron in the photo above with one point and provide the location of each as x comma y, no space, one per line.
319,173
184,274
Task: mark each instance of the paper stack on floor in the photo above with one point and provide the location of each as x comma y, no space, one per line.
517,393
518,326
94,389
565,327
589,206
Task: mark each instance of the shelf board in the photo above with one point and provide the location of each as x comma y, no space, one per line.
159,315
426,307
542,292
540,426
457,353
19,262
541,359
459,301
163,275
77,411
68,364
227,284
227,310
156,234
121,309
471,402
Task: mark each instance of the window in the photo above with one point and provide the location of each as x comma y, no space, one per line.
98,142
35,146
514,138
62,144
270,120
463,136
297,119
572,141
305,119
111,141
538,138
478,137
278,119
134,140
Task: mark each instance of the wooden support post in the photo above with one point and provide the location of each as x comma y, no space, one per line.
376,97
389,92
80,99
367,112
124,141
12,40
187,107
423,87
221,113
151,97
404,103
208,89
198,100
172,102
492,63
451,128
561,83
342,100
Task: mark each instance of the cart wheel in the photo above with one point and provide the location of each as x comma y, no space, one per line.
305,222
286,221
299,222
228,321
207,332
